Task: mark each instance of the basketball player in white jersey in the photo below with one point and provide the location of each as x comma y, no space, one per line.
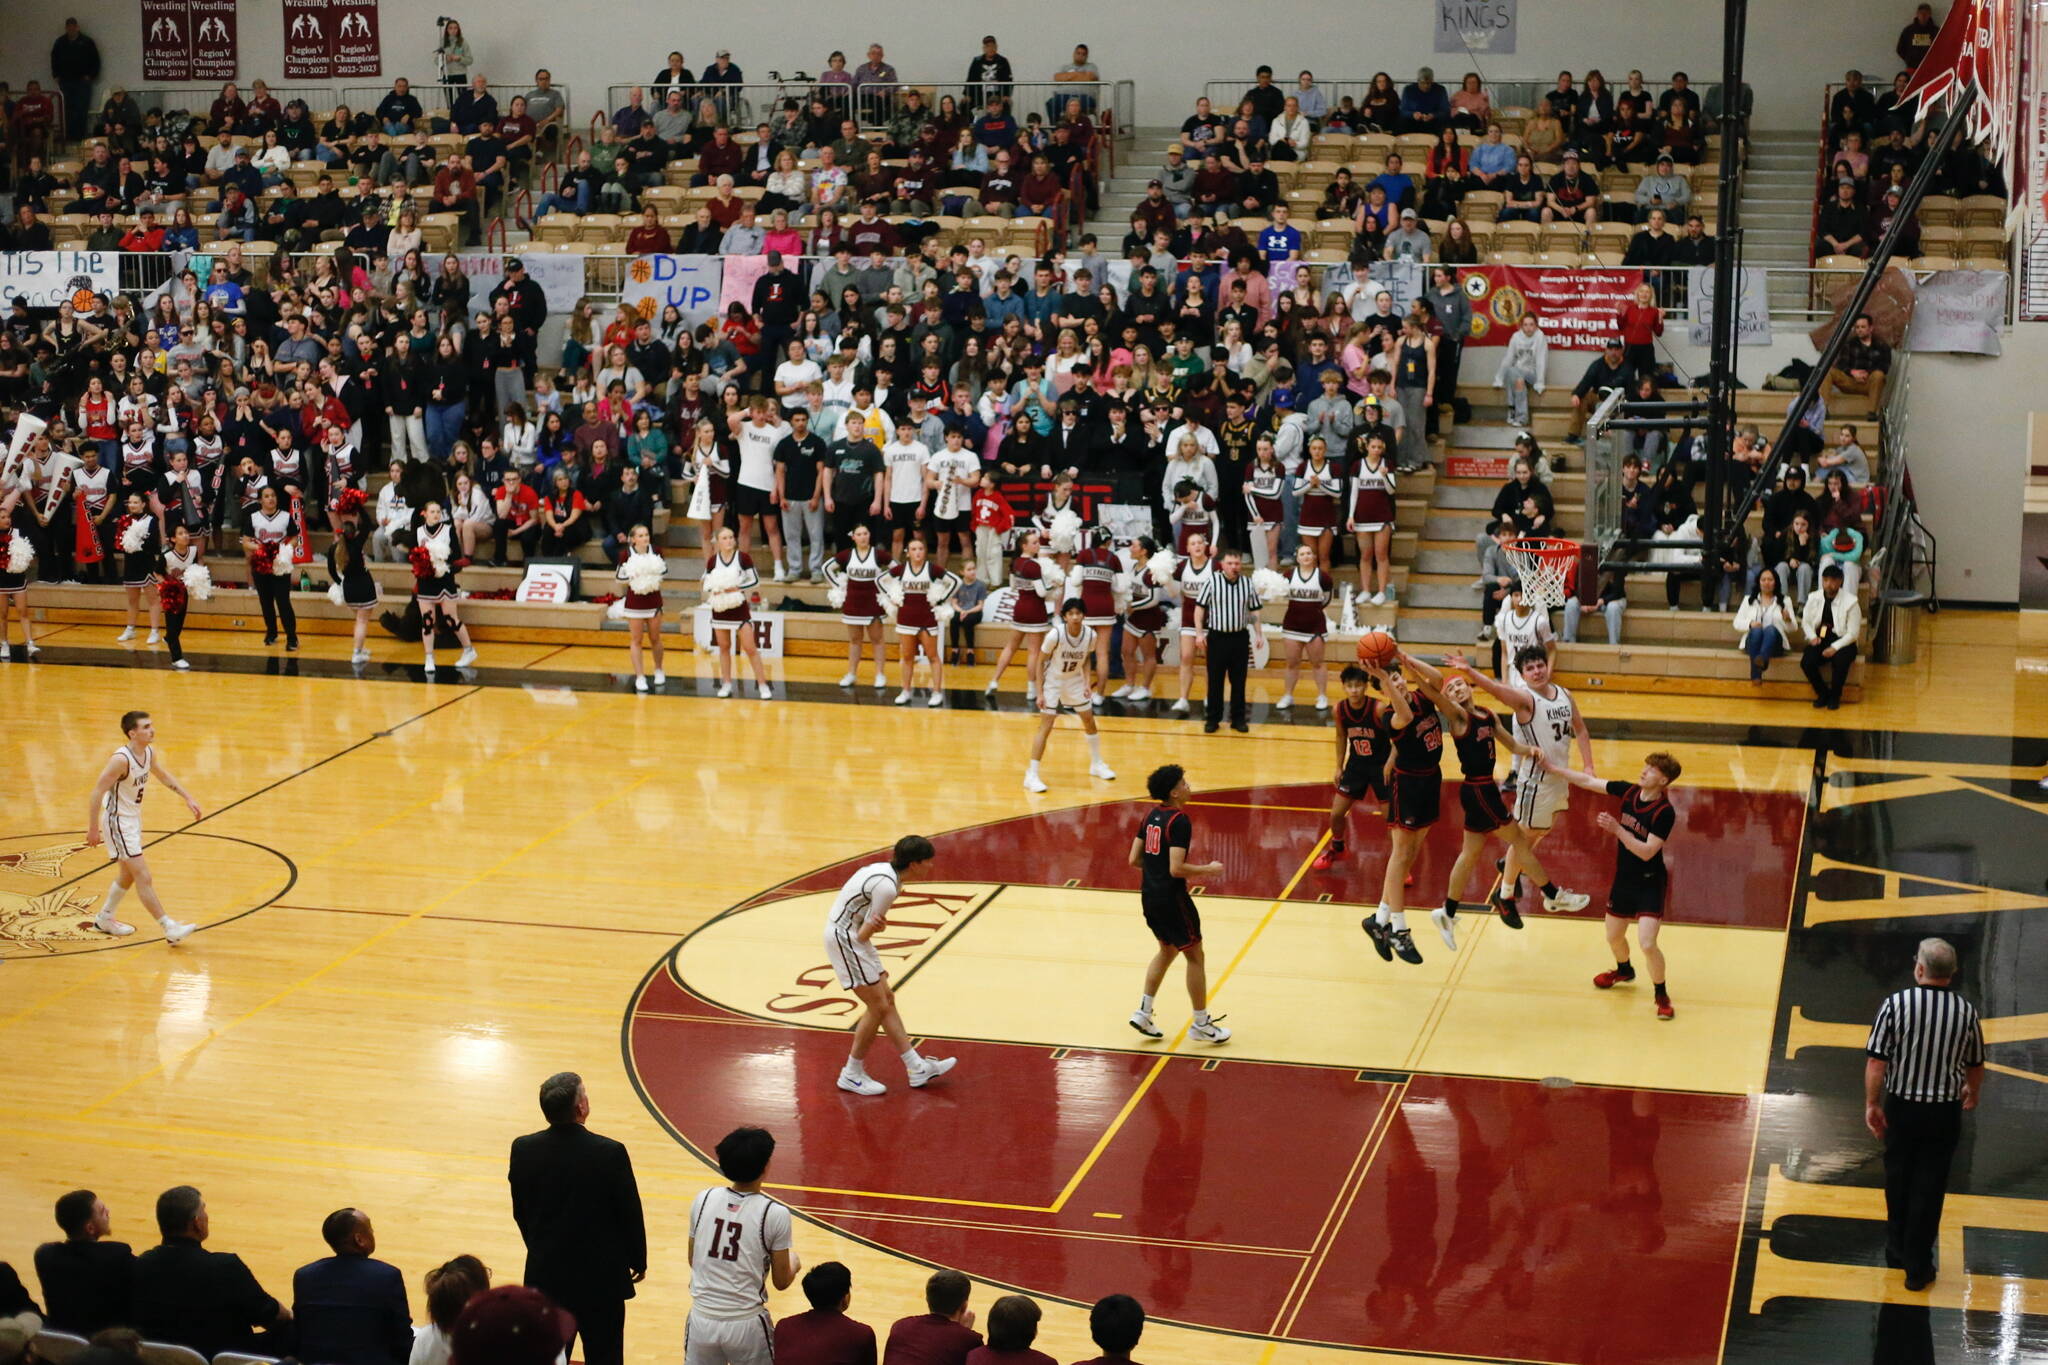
1068,647
1547,720
859,912
115,814
739,1239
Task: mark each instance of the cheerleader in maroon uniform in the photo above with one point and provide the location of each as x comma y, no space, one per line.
707,468
921,588
1193,513
139,538
728,579
1265,479
1319,491
641,569
15,553
1029,618
1190,575
854,575
1145,623
1094,582
1304,626
1372,518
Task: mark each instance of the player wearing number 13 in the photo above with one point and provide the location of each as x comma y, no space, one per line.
739,1239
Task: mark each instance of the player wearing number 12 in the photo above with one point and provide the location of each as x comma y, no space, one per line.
739,1239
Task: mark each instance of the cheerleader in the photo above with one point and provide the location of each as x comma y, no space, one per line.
16,552
139,537
1034,586
348,564
434,552
1193,514
921,587
1144,622
138,457
952,474
854,575
180,498
267,535
1265,486
288,467
1093,580
1061,499
1372,518
342,471
706,467
1303,628
94,507
641,569
1319,490
174,590
728,577
1191,575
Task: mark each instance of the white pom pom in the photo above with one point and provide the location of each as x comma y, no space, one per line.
722,587
1052,576
283,564
1065,536
835,597
1120,587
198,582
1270,586
617,610
19,552
334,594
134,538
944,614
1161,568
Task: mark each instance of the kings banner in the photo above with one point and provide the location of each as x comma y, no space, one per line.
1575,308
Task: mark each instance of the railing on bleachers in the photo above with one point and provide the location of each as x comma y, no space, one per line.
1508,92
755,102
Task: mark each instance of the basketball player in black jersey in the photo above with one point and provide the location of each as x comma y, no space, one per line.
1159,852
1415,793
1641,880
1363,746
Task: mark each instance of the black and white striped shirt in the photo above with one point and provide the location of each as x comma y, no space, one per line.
1928,1035
1229,606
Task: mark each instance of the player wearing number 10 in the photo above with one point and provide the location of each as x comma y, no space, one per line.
739,1239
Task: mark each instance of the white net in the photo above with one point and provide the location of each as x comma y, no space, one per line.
1545,567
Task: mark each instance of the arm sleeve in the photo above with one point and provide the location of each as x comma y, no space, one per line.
1181,832
881,895
1973,1046
1883,1034
1620,789
1666,821
776,1229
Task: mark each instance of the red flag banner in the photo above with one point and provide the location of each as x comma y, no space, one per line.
1978,46
166,40
308,49
1575,308
357,50
214,47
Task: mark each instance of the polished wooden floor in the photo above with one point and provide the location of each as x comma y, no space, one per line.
462,888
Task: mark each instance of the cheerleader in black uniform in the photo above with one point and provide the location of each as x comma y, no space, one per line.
1372,518
433,581
342,469
1319,494
730,620
1145,623
642,610
267,534
172,594
1265,479
15,554
139,538
348,565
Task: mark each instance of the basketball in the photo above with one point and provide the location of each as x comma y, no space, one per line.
1377,648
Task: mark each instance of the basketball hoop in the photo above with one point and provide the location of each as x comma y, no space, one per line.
1545,567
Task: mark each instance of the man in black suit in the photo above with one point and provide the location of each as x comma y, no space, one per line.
207,1300
86,1279
578,1207
350,1308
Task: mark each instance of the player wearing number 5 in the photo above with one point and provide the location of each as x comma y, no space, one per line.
739,1239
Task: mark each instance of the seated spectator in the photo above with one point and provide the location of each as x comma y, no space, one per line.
1572,196
207,1300
1652,244
87,1279
449,1289
1425,105
1114,1324
1012,1327
1664,189
1832,621
1633,135
825,1335
942,1335
650,238
1852,110
1608,371
1863,364
350,1308
1492,161
1680,131
1544,132
1409,242
1846,456
1524,193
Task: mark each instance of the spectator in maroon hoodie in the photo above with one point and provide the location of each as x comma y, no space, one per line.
943,1336
1012,1327
825,1335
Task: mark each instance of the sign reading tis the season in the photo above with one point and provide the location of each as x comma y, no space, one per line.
331,40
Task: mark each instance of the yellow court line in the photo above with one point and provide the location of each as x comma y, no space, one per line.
1172,1048
70,990
1084,1234
913,1198
1316,1264
1381,1117
1756,1126
375,939
1441,1006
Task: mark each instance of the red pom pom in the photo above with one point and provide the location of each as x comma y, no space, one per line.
263,559
172,593
349,501
422,562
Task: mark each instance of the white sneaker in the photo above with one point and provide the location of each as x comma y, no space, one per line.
1031,691
6,652
1096,699
881,681
639,682
1141,1020
1211,1032
466,658
767,693
861,1085
107,924
1141,694
360,656
660,678
430,663
1284,704
177,931
933,1068
1378,599
1567,900
1102,771
724,690
152,638
781,574
1322,703
125,636
990,690
33,649
181,664
848,680
1441,918
903,697
1180,708
1122,693
1034,783
937,698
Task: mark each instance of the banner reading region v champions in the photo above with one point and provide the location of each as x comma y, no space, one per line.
1576,308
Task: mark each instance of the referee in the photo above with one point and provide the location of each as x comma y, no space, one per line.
1226,613
1926,1062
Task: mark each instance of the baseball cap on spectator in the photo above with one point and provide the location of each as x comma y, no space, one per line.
241,152
1409,214
1664,159
1614,343
510,1325
1570,154
513,263
1283,398
1174,149
1155,184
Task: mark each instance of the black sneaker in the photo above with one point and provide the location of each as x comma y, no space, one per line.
1404,947
1381,936
271,639
1510,915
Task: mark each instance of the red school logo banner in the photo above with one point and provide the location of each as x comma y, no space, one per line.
1575,308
